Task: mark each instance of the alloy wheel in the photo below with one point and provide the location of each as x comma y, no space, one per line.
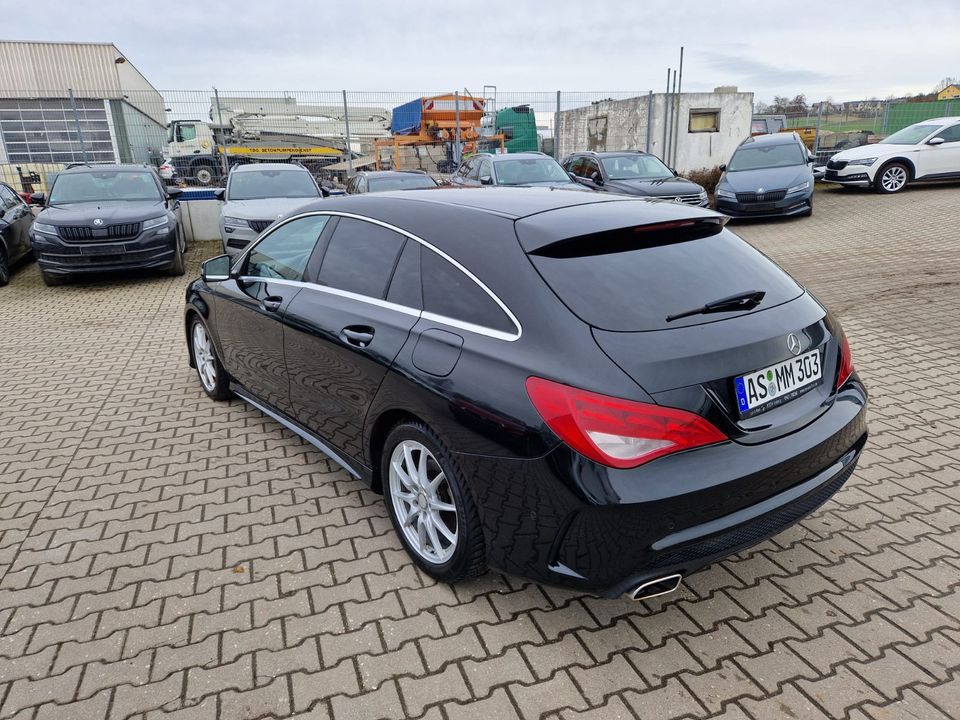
893,178
203,357
424,505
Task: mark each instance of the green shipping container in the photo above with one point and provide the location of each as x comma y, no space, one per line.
519,127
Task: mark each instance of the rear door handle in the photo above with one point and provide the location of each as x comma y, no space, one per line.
271,303
357,335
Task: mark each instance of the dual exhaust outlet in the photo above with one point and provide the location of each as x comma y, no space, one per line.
657,586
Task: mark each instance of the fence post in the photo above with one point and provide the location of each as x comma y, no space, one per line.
223,155
649,118
457,152
556,130
886,116
76,119
816,139
346,131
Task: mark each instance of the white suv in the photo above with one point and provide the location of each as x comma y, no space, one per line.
928,150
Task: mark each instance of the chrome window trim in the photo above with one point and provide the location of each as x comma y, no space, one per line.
453,322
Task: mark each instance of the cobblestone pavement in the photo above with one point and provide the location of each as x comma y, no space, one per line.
167,557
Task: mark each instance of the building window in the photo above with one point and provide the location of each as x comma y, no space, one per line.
45,131
704,121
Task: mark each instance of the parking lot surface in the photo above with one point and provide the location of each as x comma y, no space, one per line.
166,556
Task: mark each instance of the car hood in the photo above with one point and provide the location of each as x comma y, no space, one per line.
559,185
768,178
668,187
263,208
869,151
110,213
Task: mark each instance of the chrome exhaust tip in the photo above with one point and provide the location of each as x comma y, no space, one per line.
658,586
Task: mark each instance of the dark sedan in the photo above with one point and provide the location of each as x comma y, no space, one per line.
368,181
590,390
633,173
768,175
525,169
15,222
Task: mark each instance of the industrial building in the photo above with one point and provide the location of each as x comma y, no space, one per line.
115,114
689,131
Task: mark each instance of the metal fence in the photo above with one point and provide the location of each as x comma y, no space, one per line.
193,137
831,127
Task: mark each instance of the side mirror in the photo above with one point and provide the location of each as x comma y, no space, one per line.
723,168
174,192
219,193
936,141
673,170
596,178
38,198
572,176
486,180
811,158
216,269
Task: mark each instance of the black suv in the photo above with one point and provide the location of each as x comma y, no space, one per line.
631,172
526,169
100,218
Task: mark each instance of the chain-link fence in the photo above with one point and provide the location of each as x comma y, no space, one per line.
193,137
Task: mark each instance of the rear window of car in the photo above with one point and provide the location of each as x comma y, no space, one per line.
630,279
451,294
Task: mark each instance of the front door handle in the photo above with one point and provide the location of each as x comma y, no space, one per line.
271,303
357,335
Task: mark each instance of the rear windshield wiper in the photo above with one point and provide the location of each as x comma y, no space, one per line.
741,301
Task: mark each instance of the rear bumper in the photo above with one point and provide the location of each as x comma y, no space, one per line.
147,251
563,520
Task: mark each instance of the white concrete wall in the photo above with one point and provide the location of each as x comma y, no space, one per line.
200,219
622,125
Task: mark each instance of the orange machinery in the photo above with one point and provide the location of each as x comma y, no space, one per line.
433,121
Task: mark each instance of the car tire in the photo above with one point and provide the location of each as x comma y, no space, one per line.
434,516
52,280
891,178
213,378
204,174
4,268
179,264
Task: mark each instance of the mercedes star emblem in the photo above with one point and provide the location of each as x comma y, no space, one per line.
793,344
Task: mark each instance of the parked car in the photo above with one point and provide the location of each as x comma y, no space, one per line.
167,172
258,194
768,175
633,173
526,169
590,390
928,150
15,222
104,218
384,180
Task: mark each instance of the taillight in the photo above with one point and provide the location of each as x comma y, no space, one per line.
846,363
616,432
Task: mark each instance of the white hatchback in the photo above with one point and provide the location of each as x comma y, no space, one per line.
928,150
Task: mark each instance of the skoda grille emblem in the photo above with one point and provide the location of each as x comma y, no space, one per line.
793,344
760,190
678,199
98,221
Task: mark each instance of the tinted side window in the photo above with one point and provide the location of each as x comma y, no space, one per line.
486,169
360,258
8,198
405,286
284,252
951,134
450,293
590,167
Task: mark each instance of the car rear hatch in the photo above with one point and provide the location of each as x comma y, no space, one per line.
628,268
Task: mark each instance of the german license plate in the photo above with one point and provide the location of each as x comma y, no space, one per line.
772,386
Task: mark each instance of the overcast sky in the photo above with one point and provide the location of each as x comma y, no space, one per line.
840,49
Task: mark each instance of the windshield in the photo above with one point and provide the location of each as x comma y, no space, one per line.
530,171
258,184
910,135
635,167
401,182
759,157
101,186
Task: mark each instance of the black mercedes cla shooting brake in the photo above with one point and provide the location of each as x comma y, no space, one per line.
595,391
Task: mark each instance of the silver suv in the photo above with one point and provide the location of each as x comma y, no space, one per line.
256,196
